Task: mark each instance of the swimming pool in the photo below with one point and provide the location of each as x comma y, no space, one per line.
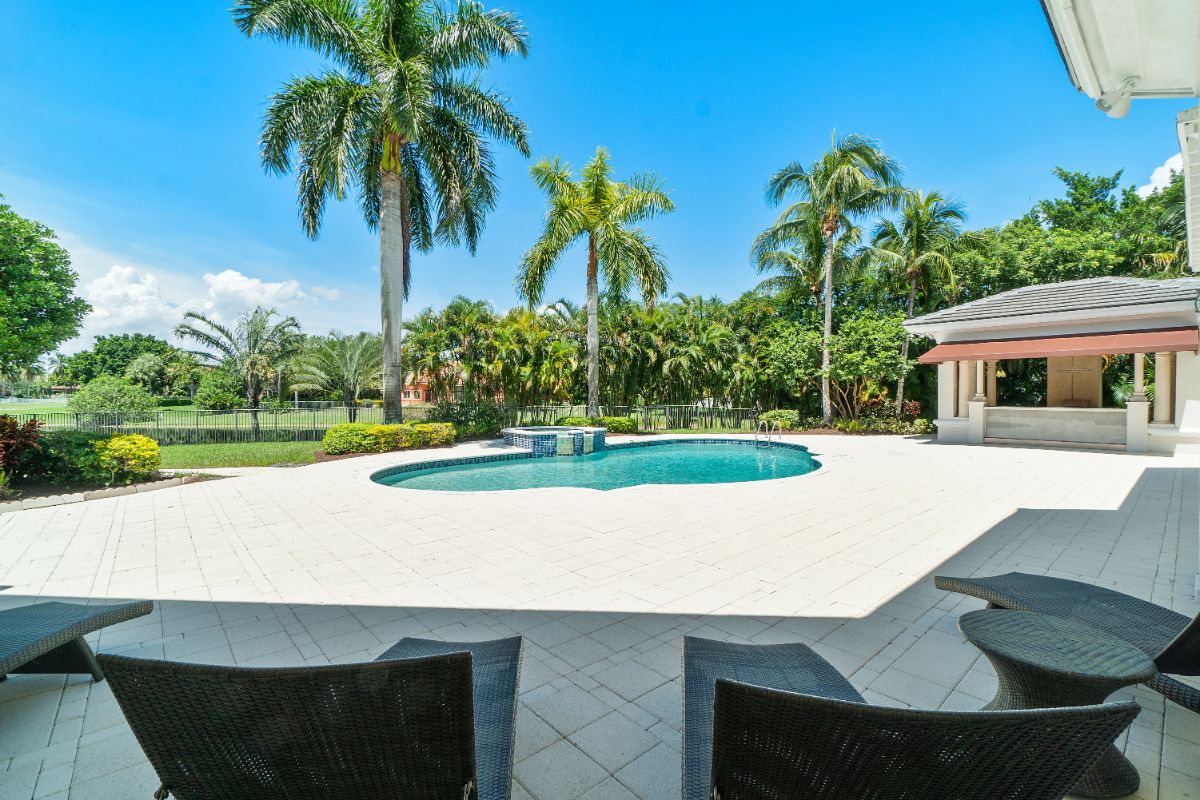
619,466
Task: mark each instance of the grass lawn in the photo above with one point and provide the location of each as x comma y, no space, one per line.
245,454
31,408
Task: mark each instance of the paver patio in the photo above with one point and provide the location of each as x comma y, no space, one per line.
317,565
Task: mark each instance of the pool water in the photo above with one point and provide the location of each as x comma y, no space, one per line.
617,467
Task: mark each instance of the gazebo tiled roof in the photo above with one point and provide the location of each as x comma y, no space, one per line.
1090,294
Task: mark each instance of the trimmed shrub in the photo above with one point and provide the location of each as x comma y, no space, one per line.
350,437
619,424
435,434
108,396
169,402
126,458
360,437
788,420
613,424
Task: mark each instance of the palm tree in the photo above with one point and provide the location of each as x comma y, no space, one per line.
854,177
342,365
251,349
919,248
797,262
402,117
605,212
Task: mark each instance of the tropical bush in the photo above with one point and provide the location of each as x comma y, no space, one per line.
788,420
887,424
16,438
471,417
220,390
126,458
79,458
109,395
61,458
360,437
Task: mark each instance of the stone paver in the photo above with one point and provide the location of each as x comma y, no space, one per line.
317,565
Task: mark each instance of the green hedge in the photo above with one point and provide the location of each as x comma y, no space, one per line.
362,437
613,424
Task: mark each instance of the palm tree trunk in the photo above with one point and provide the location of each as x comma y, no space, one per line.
391,278
826,401
912,299
593,331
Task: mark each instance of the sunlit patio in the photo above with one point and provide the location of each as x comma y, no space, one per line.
317,565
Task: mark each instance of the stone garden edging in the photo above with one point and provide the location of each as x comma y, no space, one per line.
95,494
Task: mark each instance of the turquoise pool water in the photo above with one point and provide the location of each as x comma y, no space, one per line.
615,468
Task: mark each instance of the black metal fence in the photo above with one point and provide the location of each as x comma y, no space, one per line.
176,426
210,427
698,417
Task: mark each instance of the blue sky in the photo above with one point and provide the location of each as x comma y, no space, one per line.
134,135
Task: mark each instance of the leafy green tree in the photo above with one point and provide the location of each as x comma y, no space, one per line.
219,390
339,364
400,116
917,247
251,349
603,212
147,370
111,397
864,358
38,307
853,178
112,355
793,357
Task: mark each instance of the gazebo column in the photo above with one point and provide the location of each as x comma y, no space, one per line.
1164,386
1137,410
991,382
976,405
947,390
966,384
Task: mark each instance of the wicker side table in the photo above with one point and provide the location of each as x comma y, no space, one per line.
1045,662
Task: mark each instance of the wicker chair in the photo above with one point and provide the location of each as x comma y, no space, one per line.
818,739
1171,639
47,638
399,727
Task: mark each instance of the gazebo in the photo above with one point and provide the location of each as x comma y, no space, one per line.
1075,326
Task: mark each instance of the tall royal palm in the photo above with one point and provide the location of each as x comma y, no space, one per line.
854,177
918,247
606,213
401,117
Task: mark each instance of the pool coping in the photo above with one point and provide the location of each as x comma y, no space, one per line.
486,458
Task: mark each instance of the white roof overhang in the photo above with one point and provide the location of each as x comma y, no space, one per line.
1105,42
1127,318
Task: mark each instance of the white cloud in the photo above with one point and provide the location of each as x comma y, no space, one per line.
230,293
1161,177
142,299
326,293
